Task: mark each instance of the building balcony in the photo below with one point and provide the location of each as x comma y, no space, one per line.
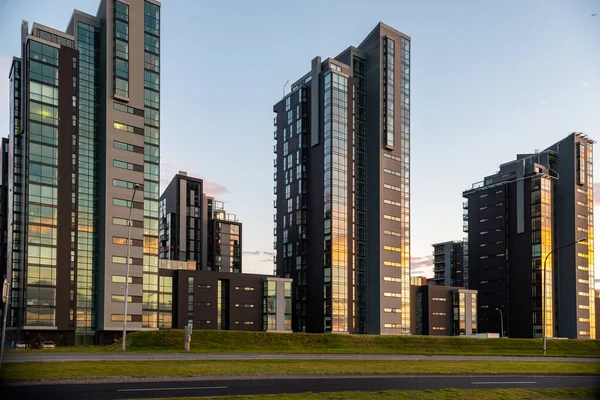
465,205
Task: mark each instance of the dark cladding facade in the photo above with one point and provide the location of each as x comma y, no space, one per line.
3,207
342,181
194,227
515,218
82,133
223,300
448,265
443,311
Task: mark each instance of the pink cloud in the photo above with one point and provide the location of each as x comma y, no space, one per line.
168,171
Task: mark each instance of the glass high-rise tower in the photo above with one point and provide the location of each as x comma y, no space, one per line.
342,198
84,110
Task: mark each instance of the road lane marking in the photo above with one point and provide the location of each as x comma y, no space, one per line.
174,388
502,383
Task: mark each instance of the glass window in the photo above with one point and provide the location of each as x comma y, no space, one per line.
151,18
151,98
121,30
151,62
121,87
122,11
122,49
44,73
151,43
122,68
151,80
123,146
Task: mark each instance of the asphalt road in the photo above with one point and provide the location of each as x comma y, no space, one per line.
49,356
196,388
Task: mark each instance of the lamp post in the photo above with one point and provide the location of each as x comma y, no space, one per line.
123,345
544,287
501,322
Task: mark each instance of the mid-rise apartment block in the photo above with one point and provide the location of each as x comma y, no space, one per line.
448,265
341,185
223,300
84,130
443,310
196,227
531,243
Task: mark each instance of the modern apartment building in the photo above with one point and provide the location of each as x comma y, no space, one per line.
224,300
448,266
3,207
523,224
195,227
341,185
443,310
84,130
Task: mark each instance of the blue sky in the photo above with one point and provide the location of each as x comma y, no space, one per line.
489,80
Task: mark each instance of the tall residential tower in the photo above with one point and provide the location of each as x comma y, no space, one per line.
342,179
531,243
84,110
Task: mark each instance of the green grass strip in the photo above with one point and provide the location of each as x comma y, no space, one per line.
443,394
65,370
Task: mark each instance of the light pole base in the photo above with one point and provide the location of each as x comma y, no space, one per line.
544,345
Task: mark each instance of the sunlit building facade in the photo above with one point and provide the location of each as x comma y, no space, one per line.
341,186
531,241
84,129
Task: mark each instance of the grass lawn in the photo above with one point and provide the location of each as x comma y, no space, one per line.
64,370
466,394
262,342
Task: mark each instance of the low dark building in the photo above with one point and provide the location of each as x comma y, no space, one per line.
443,310
222,300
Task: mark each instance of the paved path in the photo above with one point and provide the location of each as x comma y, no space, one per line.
193,388
48,356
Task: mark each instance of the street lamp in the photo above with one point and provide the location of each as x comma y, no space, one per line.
123,345
544,287
501,322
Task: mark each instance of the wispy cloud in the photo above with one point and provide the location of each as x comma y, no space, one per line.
564,94
251,252
267,260
546,102
213,188
596,194
169,170
268,253
421,266
586,84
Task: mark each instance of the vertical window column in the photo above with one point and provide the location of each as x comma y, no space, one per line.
151,155
88,89
121,49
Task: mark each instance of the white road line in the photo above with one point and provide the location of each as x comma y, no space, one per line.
175,388
501,383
